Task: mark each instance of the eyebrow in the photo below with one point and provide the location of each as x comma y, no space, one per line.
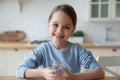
65,24
68,24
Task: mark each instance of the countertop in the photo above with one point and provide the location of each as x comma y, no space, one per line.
27,45
16,45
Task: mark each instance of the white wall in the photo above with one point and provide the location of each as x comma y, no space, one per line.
33,18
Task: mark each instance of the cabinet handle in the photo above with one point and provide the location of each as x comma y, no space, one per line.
114,50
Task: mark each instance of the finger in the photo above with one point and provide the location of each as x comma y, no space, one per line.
58,78
52,71
65,71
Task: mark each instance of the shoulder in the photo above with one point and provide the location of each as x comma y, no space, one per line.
75,45
42,46
79,48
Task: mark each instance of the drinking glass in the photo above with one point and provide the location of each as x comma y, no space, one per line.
59,66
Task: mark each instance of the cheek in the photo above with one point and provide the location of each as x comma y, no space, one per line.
71,32
51,31
68,34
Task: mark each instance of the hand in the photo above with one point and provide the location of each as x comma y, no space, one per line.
48,73
67,75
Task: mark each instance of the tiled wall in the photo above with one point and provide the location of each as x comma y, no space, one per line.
32,17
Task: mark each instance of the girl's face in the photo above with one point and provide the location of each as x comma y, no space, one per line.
60,27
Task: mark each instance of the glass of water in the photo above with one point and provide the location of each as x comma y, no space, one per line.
59,66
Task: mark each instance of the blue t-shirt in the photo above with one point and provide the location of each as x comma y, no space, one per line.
45,54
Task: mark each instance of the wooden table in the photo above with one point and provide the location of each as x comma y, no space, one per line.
14,78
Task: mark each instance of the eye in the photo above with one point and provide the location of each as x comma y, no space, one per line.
67,27
55,25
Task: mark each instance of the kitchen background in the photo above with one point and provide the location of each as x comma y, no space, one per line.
31,16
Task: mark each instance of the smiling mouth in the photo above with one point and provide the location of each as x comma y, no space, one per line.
58,36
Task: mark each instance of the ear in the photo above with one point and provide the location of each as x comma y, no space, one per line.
73,29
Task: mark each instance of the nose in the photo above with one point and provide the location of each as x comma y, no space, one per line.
59,30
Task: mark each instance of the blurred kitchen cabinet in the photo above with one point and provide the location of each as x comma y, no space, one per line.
10,60
105,52
14,59
2,61
104,10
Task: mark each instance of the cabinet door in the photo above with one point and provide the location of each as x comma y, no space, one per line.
12,59
116,10
104,10
2,61
99,9
94,9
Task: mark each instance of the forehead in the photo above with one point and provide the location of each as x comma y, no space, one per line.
61,16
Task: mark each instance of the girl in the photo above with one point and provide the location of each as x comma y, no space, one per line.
61,24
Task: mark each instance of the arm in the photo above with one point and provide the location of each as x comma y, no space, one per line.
93,74
31,61
28,69
33,73
47,73
89,75
89,62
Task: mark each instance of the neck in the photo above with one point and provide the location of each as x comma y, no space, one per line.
60,46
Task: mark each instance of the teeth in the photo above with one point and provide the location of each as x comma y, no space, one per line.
59,36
